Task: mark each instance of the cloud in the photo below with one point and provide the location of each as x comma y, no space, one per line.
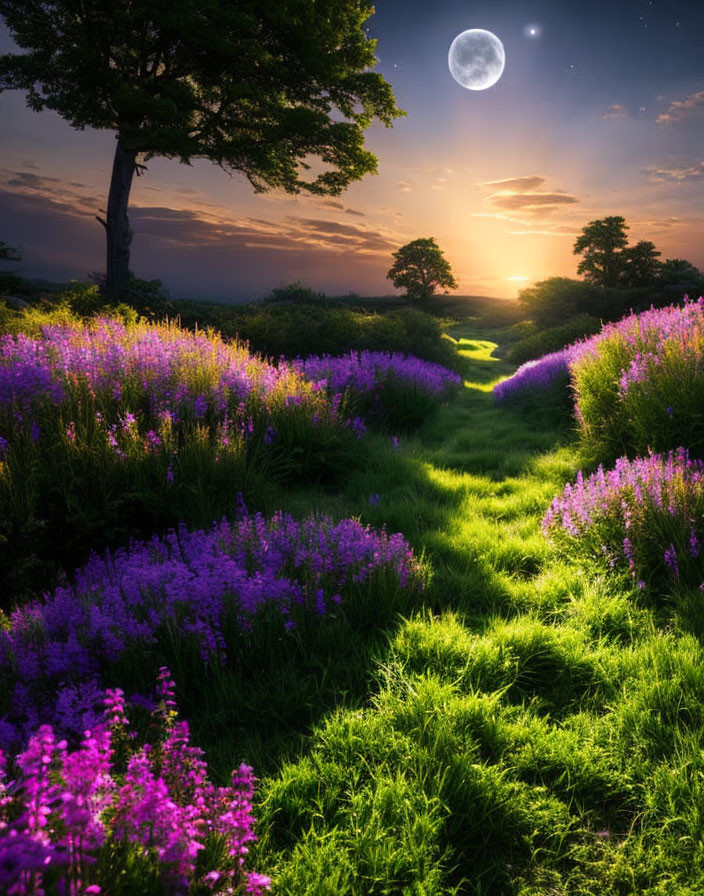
198,254
680,173
531,202
615,111
404,186
515,184
28,180
557,231
353,211
498,216
440,183
680,109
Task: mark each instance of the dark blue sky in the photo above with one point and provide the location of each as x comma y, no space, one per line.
599,112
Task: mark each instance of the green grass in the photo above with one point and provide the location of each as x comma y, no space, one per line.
526,726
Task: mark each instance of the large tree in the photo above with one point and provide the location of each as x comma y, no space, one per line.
420,268
262,88
601,243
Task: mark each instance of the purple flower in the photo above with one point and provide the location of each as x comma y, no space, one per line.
192,583
624,513
65,805
671,560
536,376
200,406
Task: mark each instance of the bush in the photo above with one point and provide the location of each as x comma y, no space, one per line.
189,598
300,330
645,516
148,298
126,430
541,382
12,285
550,302
393,390
639,384
297,292
553,339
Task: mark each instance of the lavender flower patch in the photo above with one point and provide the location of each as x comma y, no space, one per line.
67,818
390,387
645,515
535,378
201,587
639,384
364,371
158,369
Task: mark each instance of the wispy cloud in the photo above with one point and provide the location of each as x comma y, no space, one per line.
562,231
404,186
685,171
194,224
680,109
615,111
440,183
515,184
498,216
530,202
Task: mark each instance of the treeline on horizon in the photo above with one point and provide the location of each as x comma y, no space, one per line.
293,318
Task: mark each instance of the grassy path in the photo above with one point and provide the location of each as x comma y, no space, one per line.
526,727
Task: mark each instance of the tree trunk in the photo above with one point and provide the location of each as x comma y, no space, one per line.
119,235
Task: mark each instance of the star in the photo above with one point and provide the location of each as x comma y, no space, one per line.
533,30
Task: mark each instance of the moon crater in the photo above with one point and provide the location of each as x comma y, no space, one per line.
476,59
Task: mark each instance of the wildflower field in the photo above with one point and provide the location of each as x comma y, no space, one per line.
352,623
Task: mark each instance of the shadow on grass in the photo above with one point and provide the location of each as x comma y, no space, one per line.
263,706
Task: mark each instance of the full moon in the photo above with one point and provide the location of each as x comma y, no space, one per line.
476,59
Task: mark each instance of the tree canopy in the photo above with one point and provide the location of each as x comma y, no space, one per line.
420,268
609,261
602,243
264,89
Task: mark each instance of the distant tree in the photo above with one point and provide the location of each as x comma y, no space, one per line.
297,293
641,266
602,243
253,87
553,301
420,268
9,253
678,278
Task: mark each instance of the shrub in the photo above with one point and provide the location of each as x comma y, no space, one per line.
124,430
645,516
639,384
299,330
542,381
553,339
391,389
296,292
550,302
194,594
77,821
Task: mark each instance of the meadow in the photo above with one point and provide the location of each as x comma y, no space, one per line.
455,631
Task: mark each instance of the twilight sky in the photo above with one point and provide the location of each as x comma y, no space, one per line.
599,111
